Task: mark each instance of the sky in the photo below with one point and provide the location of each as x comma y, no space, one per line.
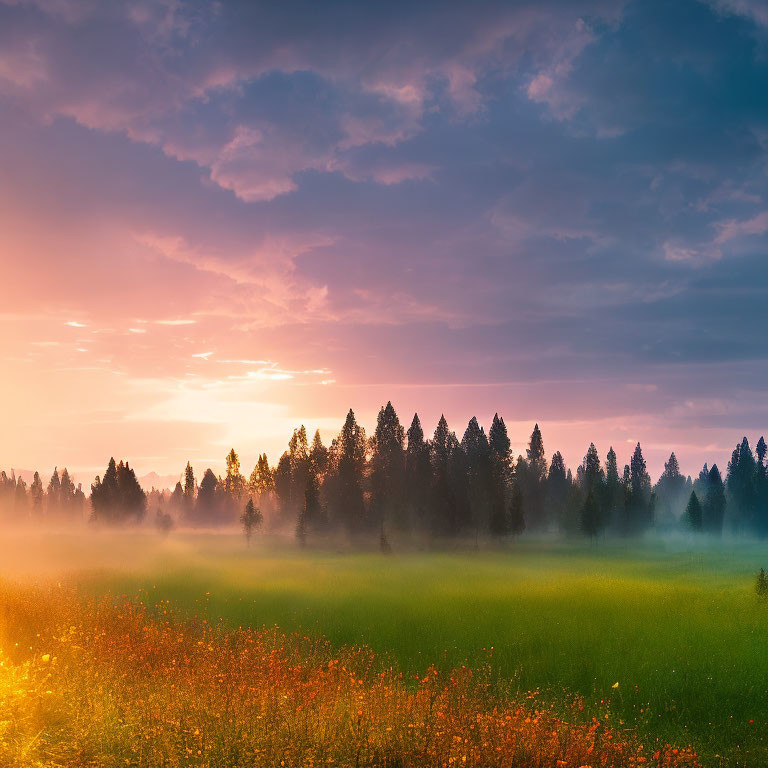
221,220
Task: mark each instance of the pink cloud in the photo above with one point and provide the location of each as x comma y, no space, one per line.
731,229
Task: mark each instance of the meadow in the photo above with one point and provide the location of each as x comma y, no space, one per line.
664,641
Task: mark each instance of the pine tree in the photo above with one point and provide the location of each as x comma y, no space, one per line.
591,517
21,508
66,493
163,521
189,482
670,492
387,475
189,492
117,498
208,504
176,501
713,510
234,482
345,490
311,514
36,494
614,495
318,455
418,477
250,519
475,447
132,499
53,494
298,456
284,488
639,500
761,489
444,507
531,478
501,475
516,512
740,487
558,488
693,513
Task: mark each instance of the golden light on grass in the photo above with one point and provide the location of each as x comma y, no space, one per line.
125,683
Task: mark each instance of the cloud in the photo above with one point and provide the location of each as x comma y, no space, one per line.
678,252
755,10
550,85
162,63
731,229
399,203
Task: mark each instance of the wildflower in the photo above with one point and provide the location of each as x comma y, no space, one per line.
45,658
615,685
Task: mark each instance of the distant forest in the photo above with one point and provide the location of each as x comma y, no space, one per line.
399,483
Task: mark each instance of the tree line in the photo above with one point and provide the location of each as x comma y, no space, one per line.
400,482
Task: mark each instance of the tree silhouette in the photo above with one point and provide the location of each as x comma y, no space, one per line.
387,472
250,519
693,513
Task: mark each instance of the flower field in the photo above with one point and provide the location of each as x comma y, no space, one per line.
120,682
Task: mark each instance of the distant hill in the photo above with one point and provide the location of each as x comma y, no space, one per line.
153,480
147,482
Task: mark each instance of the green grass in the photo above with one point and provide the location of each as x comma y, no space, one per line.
681,631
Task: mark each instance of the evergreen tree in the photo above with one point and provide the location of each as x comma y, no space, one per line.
557,488
694,515
262,480
298,455
713,511
117,498
311,514
614,494
189,482
458,476
53,494
133,500
301,527
318,455
701,484
284,488
36,494
501,475
234,482
189,491
345,491
571,518
531,478
21,508
176,502
388,471
66,493
418,477
670,492
516,511
591,515
250,519
105,493
639,500
740,487
163,521
479,476
761,489
444,507
208,505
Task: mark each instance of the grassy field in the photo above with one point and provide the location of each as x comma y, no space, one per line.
681,631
